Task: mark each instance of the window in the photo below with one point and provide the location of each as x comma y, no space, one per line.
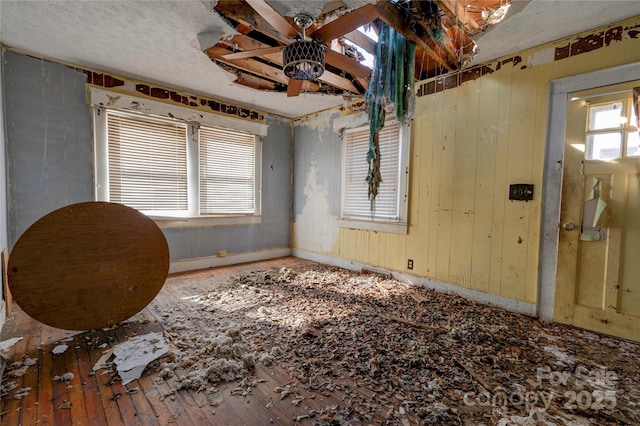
227,172
169,169
612,130
147,163
389,212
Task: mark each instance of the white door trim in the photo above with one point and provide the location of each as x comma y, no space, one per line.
552,174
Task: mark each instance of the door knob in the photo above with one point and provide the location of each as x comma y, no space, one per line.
569,226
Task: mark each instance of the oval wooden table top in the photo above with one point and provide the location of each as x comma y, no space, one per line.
88,265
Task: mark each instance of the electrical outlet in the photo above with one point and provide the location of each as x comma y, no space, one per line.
410,264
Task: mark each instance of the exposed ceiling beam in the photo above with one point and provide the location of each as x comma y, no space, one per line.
256,67
345,24
456,11
253,81
358,38
246,42
248,20
393,17
273,18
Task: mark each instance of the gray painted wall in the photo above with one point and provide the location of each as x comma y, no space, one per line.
49,139
50,162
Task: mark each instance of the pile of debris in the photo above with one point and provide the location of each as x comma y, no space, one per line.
404,351
389,351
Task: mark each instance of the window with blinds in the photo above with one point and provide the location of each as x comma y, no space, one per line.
227,172
147,163
355,200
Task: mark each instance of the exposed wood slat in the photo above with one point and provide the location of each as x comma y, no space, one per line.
456,11
273,18
256,67
363,41
392,17
249,45
294,87
345,24
248,19
276,74
253,81
253,53
343,62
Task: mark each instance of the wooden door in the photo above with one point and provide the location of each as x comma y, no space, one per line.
598,281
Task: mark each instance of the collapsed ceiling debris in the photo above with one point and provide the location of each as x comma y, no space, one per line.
442,31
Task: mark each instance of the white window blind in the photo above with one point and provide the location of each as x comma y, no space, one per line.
227,172
147,163
356,204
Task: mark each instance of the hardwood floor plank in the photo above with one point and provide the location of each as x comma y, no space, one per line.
93,403
102,380
326,359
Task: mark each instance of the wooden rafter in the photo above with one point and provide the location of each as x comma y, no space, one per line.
457,12
243,42
248,20
273,18
361,40
256,67
392,16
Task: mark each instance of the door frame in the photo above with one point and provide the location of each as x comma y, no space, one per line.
558,99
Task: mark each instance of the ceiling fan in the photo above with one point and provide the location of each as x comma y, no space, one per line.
305,55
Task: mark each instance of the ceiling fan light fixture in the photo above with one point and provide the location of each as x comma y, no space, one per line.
304,60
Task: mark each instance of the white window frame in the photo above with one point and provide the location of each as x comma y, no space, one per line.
624,129
399,226
193,119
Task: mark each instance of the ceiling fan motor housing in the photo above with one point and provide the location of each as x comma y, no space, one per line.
304,60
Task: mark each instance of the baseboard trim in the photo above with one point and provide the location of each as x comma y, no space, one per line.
513,305
232,259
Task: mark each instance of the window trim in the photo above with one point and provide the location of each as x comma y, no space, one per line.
353,123
102,100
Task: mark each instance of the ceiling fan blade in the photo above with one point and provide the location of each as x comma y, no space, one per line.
346,23
253,52
343,62
272,16
294,87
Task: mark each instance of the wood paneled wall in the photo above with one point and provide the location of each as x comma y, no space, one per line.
469,143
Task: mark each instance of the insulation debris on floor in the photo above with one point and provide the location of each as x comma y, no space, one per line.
381,351
399,352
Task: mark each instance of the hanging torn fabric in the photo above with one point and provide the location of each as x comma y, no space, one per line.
391,87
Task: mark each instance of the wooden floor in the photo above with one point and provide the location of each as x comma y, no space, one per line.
355,349
99,399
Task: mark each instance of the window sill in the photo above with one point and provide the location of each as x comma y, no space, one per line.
205,221
369,225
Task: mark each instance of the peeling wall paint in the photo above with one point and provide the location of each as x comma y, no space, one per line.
316,194
143,89
50,161
559,50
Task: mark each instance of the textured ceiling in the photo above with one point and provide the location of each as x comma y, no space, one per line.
161,41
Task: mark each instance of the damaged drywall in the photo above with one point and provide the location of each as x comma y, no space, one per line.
317,174
558,51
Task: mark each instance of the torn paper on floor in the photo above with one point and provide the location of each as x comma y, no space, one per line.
8,344
60,349
132,356
102,362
